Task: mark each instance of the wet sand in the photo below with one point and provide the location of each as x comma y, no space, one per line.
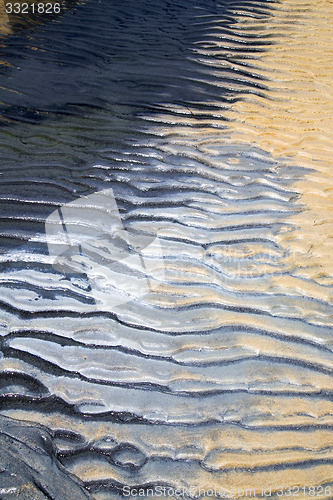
215,136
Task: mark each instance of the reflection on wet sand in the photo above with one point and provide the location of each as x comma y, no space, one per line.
223,379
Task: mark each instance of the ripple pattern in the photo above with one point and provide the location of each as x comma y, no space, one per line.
221,377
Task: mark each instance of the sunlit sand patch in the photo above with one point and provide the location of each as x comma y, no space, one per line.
296,122
4,21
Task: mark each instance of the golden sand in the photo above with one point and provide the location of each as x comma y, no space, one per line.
296,122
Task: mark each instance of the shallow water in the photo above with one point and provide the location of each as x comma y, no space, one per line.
210,123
